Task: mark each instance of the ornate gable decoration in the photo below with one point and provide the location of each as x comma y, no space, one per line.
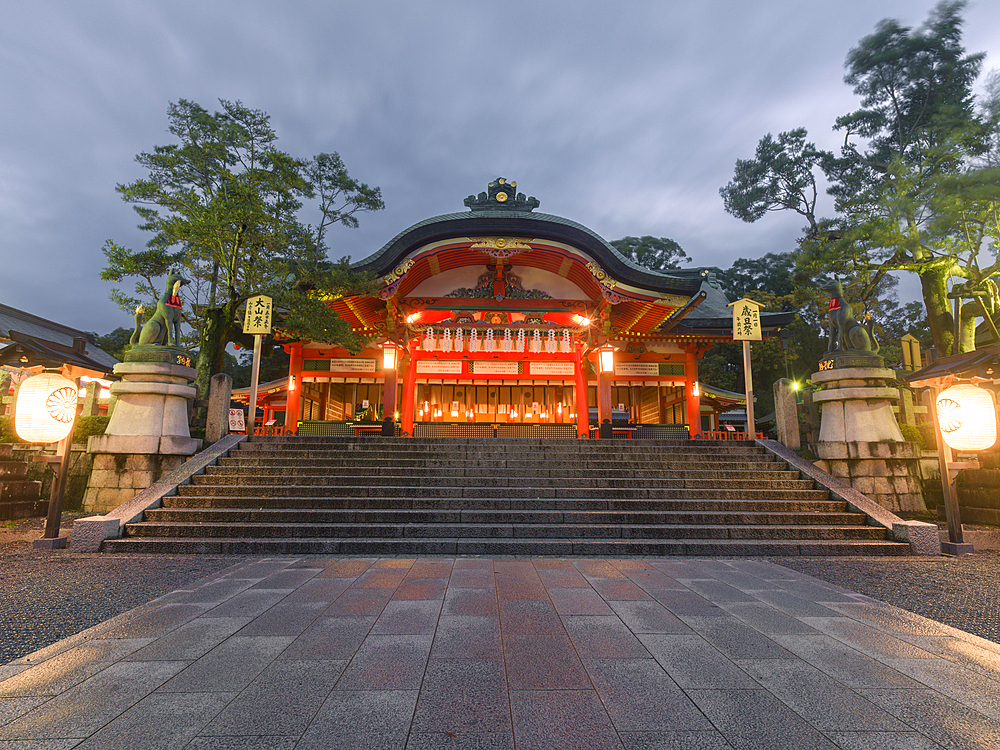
500,196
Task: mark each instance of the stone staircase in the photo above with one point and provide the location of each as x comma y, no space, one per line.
20,497
408,496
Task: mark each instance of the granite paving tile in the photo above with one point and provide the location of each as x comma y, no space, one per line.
281,701
598,569
966,686
318,589
891,619
330,638
560,578
69,668
380,579
683,603
882,741
84,708
190,641
516,569
481,602
529,618
735,639
650,740
619,590
248,603
453,741
471,578
815,591
578,602
408,618
543,663
678,569
429,569
258,569
639,695
285,618
767,619
648,578
551,563
421,588
692,662
288,578
752,719
603,637
361,720
946,721
845,664
559,719
648,617
266,742
11,708
463,696
156,620
717,591
230,666
161,721
867,639
467,637
216,591
473,563
394,563
359,603
387,662
345,568
513,589
980,655
818,698
794,605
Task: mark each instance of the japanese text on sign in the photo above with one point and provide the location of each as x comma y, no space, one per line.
746,320
258,315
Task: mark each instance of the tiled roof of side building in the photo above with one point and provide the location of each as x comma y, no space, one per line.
12,319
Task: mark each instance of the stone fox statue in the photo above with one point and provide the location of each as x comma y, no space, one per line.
164,328
849,334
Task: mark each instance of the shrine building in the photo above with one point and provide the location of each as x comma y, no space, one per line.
500,320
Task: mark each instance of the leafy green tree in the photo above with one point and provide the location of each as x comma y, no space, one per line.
223,202
115,343
906,151
654,253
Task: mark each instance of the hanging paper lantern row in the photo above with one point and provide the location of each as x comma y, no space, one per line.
45,408
429,340
490,343
459,340
520,339
446,340
968,418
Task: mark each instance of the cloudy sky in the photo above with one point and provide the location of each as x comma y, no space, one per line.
626,117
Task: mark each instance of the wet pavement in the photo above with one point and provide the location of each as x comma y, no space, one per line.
507,653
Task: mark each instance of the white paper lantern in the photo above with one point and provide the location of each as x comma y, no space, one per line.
967,417
429,339
45,408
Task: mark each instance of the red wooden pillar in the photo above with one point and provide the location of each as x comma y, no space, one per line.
582,406
293,401
693,396
409,391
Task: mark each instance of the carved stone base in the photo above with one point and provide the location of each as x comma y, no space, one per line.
117,477
888,472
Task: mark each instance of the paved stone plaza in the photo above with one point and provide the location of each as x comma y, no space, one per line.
480,653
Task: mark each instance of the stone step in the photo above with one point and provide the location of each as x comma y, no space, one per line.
20,490
10,470
427,516
530,531
784,505
338,475
12,510
507,480
534,465
527,547
403,452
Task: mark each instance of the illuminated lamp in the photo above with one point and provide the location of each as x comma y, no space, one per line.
695,390
291,382
389,355
45,408
606,358
967,417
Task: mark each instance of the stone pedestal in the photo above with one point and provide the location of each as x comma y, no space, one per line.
147,436
859,439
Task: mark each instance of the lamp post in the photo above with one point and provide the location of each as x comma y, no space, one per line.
605,368
390,356
45,412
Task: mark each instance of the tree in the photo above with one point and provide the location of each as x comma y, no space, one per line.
654,253
223,202
905,153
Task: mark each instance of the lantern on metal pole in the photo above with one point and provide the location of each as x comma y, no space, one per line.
45,412
390,366
605,369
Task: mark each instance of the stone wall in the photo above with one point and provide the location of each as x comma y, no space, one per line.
117,477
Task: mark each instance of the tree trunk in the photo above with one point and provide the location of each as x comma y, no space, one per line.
212,350
933,283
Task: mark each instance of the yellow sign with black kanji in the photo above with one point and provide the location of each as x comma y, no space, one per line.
746,320
258,315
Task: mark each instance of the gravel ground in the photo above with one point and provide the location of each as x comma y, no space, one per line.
46,596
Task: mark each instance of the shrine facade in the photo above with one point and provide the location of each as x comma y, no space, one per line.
499,316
